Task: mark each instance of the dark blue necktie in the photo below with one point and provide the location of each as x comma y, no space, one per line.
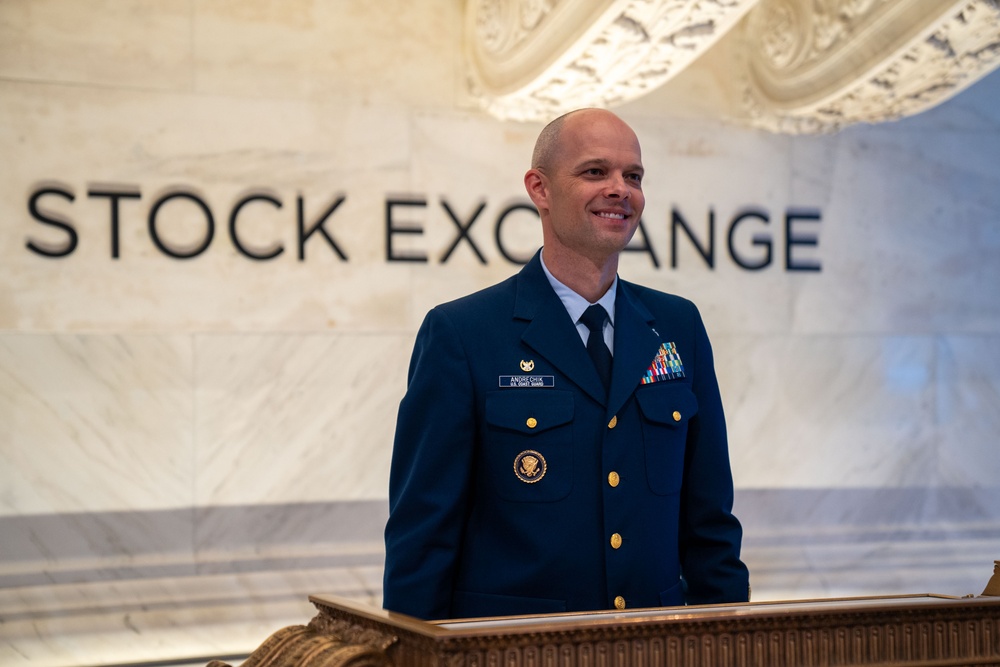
593,318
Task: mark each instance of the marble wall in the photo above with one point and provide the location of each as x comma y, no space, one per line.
190,446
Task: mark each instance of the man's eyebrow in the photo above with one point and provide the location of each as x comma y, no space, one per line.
601,162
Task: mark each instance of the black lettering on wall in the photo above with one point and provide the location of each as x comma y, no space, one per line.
513,259
56,220
707,251
276,250
792,239
181,253
463,232
391,229
114,197
756,240
752,241
318,226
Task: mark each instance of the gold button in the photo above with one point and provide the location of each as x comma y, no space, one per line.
532,422
613,422
613,478
677,416
616,540
619,602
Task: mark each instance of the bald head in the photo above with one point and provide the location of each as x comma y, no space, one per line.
549,142
545,145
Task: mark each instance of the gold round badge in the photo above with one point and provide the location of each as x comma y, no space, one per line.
530,466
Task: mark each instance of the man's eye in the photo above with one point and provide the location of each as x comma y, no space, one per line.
594,171
635,177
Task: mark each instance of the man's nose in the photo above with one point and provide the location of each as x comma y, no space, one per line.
616,186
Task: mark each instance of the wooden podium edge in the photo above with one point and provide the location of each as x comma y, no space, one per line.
346,633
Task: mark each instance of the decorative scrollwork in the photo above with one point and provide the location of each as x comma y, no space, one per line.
536,59
501,26
945,55
351,633
802,66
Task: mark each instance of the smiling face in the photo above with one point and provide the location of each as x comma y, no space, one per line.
588,188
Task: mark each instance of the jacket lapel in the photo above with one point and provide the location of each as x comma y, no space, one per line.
551,333
635,346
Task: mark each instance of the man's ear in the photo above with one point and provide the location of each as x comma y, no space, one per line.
537,187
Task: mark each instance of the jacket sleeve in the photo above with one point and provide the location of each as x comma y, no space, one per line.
430,474
710,535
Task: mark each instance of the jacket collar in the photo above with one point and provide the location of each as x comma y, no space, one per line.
552,334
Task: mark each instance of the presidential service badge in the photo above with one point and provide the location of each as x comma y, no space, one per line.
530,466
527,366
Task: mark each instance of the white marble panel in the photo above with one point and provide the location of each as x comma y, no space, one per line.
130,43
828,411
295,418
968,372
399,52
910,238
794,569
95,422
177,585
815,543
180,619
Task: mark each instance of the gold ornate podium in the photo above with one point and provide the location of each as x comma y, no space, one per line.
928,630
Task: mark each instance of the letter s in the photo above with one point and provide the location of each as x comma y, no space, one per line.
54,220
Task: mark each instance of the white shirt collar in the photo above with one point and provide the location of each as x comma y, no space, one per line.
576,304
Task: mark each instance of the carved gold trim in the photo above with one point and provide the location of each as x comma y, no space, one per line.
899,630
351,632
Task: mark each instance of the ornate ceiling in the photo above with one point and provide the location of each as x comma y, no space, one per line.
797,66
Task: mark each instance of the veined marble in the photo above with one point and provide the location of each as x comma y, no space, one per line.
65,41
190,584
95,422
296,418
822,411
968,423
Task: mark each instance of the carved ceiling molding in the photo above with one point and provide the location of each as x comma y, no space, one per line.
801,66
532,60
813,66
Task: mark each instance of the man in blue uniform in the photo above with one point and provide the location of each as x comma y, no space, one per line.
561,445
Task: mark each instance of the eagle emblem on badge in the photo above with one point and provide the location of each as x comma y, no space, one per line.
527,366
530,466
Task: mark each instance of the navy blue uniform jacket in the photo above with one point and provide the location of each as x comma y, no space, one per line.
469,536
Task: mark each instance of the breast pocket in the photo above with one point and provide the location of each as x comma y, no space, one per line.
666,409
527,448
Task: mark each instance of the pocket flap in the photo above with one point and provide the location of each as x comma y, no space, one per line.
670,403
529,411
